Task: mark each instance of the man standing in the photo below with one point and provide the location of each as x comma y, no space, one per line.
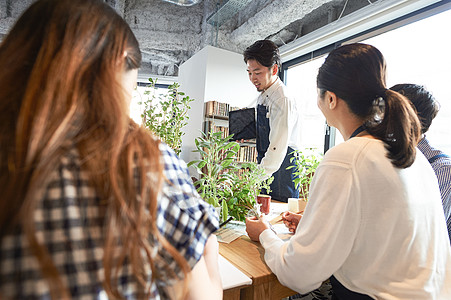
427,108
277,118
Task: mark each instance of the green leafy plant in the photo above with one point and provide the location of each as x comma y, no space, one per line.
223,182
217,155
306,162
166,114
247,184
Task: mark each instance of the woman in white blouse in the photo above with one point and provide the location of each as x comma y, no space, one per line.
374,224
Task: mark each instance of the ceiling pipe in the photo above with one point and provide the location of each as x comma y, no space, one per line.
183,2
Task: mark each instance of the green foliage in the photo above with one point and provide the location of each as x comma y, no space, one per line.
221,182
306,163
166,115
217,156
246,186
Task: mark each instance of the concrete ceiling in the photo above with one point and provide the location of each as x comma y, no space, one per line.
170,33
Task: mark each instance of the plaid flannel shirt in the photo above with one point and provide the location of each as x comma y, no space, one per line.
68,222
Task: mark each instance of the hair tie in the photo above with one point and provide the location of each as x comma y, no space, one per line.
378,101
378,109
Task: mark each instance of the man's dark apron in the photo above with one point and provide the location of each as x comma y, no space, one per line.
282,187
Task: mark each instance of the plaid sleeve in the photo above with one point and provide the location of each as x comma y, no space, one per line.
184,219
69,224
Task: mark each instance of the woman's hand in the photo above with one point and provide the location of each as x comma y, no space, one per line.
291,220
254,227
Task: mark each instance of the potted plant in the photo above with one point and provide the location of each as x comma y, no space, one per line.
306,161
216,160
247,183
165,115
223,182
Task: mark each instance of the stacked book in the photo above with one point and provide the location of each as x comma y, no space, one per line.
216,109
211,126
247,154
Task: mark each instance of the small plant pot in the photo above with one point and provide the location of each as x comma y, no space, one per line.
265,202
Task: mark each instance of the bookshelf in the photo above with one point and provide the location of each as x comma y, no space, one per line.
214,109
217,119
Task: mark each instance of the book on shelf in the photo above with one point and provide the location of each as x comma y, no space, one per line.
211,126
217,109
247,154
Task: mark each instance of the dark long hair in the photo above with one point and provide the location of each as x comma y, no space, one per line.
356,74
60,85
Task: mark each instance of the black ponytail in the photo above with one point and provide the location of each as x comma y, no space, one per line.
356,74
399,128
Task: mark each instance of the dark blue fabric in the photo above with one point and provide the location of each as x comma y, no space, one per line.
357,131
263,129
340,292
282,187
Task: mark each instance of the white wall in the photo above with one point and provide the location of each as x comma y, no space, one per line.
192,77
212,74
227,80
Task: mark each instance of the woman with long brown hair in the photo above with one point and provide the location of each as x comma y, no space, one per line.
92,205
374,223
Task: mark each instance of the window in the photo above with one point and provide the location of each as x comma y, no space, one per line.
142,93
416,51
302,81
419,53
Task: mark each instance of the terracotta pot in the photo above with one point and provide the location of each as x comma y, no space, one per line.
265,201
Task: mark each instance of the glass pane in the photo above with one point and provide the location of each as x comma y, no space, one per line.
301,79
419,53
140,95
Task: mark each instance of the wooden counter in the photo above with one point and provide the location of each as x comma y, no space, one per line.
248,256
